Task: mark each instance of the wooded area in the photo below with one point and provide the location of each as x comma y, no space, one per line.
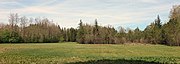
43,30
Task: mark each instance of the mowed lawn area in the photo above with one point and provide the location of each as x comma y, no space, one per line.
73,53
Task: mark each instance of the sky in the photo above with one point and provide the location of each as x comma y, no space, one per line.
67,13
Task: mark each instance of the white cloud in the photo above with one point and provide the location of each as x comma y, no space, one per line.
149,1
9,0
67,13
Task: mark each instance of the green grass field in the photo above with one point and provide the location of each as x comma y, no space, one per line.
73,53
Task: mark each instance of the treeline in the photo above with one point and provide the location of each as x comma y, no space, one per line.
155,33
35,30
22,29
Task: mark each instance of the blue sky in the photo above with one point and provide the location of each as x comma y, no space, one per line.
67,13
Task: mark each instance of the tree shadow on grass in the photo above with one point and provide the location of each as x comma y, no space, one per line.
119,61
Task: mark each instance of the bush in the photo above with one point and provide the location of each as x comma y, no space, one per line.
10,36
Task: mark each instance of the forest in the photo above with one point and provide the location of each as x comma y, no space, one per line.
42,30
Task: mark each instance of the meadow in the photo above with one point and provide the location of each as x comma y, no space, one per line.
73,53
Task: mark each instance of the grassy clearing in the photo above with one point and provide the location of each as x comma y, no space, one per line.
87,53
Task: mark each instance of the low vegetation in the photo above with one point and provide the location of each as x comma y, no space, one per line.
73,53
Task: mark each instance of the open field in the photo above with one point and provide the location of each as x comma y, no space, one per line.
60,53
